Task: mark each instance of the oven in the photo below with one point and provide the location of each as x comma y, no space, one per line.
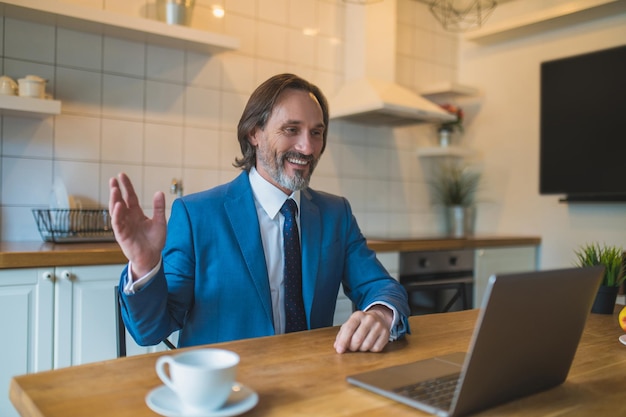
438,281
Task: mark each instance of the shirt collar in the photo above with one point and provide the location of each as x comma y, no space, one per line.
268,195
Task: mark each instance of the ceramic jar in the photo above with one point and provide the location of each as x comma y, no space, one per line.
32,86
8,86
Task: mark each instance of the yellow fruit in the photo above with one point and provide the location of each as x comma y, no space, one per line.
622,319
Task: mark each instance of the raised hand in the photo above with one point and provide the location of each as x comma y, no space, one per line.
140,238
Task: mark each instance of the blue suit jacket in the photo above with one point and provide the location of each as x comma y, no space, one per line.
213,283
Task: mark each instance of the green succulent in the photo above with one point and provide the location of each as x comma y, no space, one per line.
612,257
455,185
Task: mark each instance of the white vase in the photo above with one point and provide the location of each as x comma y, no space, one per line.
445,137
460,220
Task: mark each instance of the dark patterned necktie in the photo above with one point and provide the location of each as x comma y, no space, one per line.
294,306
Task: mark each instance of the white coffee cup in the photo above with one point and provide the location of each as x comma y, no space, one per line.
202,379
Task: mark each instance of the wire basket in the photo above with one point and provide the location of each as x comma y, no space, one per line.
74,225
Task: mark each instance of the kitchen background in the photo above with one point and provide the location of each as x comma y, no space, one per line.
159,113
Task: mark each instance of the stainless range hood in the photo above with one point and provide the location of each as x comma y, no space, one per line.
370,94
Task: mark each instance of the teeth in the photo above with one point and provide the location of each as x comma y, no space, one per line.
297,161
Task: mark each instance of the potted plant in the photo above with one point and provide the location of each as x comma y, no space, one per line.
612,258
455,186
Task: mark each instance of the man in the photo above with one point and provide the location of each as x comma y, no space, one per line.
219,274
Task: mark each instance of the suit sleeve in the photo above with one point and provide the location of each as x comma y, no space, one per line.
159,308
366,281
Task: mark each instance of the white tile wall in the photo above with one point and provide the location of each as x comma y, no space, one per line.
271,41
165,64
274,11
122,141
163,145
23,138
164,102
80,91
203,18
123,57
201,148
203,70
29,41
158,113
123,97
244,28
238,73
302,13
242,7
427,53
202,107
77,138
78,50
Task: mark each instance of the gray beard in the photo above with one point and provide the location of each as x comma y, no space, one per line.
274,165
297,182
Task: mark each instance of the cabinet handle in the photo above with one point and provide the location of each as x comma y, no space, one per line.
47,276
66,275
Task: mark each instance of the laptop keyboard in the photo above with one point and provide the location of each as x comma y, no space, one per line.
437,392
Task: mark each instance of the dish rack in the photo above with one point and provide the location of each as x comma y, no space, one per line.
74,225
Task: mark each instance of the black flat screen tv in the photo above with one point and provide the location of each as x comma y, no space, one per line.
583,126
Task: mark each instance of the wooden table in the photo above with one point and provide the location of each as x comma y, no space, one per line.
301,375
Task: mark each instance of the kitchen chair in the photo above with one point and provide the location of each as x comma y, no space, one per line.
121,329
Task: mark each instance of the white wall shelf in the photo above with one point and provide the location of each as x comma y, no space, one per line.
553,17
132,28
27,106
449,90
444,151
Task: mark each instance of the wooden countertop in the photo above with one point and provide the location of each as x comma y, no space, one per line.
41,254
299,374
446,243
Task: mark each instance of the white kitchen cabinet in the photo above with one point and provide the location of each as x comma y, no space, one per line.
84,314
500,260
26,325
57,317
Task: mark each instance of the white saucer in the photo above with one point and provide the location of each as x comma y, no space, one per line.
622,339
162,400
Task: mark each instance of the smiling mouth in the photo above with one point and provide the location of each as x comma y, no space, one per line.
298,159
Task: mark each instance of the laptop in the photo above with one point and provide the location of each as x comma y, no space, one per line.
524,342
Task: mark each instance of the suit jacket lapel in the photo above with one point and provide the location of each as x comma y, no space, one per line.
241,212
311,233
